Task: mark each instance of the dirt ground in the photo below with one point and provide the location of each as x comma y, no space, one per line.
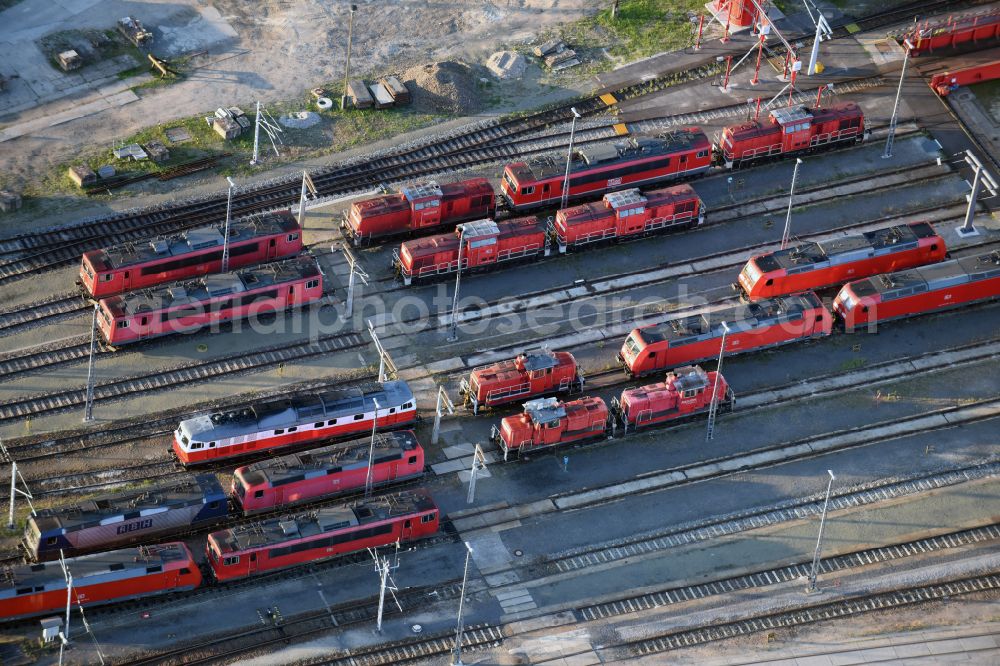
282,49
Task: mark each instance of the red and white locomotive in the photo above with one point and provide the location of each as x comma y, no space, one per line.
327,471
548,422
486,244
213,299
526,376
278,543
272,424
690,338
918,291
628,214
252,240
602,168
790,130
817,265
685,392
133,573
418,209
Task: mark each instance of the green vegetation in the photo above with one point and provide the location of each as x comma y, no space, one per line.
645,27
852,364
336,131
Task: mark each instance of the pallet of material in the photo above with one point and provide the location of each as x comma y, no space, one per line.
562,60
383,99
399,92
549,47
358,92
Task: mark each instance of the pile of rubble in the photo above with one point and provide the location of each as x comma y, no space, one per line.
556,55
443,87
506,65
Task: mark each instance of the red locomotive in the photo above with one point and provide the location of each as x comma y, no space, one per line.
271,424
817,265
528,375
327,472
690,338
792,129
486,244
595,170
189,254
548,422
213,299
685,392
419,208
133,573
954,32
246,550
628,214
918,291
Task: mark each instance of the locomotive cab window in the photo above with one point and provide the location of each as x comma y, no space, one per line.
258,494
107,277
123,323
185,571
528,190
213,505
407,524
690,393
769,282
292,237
412,460
428,518
229,561
312,284
51,541
704,153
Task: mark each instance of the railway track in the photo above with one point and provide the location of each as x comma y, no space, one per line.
181,375
810,614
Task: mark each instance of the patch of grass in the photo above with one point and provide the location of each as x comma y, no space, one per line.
852,364
645,27
336,131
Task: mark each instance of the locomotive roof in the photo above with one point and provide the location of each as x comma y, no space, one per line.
270,414
421,247
477,229
109,566
127,505
846,249
392,203
324,520
196,291
508,369
738,318
544,410
328,459
586,212
689,377
931,277
608,154
192,240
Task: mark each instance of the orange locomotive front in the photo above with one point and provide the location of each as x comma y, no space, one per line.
685,392
528,375
548,422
